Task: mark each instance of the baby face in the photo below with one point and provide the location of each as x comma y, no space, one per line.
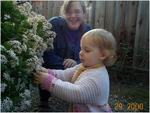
90,54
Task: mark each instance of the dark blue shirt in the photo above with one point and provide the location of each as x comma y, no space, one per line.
66,43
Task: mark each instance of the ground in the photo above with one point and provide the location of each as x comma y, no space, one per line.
129,97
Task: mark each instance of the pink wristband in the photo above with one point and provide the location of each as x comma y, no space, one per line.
47,83
50,72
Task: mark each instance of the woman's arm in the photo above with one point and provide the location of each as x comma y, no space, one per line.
51,60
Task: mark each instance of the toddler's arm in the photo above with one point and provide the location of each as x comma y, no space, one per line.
64,75
83,92
45,80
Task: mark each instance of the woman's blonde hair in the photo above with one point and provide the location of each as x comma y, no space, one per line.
106,42
66,6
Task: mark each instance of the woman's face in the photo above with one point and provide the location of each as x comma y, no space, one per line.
74,16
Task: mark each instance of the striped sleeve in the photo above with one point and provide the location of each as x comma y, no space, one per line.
66,74
83,92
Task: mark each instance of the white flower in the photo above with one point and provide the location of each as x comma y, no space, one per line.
3,86
31,51
3,59
20,85
37,38
21,9
50,34
6,104
34,22
41,47
15,42
14,61
26,100
45,27
29,34
11,54
26,94
33,14
25,38
34,28
6,16
16,46
33,62
6,76
27,6
25,104
24,47
25,9
2,48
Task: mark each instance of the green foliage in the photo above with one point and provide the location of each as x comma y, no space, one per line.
40,31
22,46
13,23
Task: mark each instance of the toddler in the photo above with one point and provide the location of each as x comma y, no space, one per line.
85,86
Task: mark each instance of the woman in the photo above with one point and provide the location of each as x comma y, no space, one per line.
69,28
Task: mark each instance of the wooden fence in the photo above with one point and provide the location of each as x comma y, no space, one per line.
127,20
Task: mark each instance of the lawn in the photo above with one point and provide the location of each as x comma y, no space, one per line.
129,97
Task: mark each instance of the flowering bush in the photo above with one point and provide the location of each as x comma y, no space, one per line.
25,36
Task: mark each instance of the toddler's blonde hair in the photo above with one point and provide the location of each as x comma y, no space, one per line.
106,42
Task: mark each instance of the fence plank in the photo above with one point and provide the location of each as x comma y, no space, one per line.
141,47
50,9
130,21
56,8
119,27
37,7
90,12
47,8
99,14
109,16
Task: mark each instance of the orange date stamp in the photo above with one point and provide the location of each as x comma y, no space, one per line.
129,106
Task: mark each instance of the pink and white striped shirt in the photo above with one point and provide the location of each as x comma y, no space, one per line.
89,92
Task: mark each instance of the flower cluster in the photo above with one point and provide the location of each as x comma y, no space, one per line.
25,37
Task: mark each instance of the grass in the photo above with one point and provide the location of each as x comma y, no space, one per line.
129,97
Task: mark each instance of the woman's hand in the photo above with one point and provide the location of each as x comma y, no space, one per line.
69,63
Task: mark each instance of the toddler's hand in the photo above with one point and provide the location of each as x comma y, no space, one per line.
42,69
45,80
40,77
